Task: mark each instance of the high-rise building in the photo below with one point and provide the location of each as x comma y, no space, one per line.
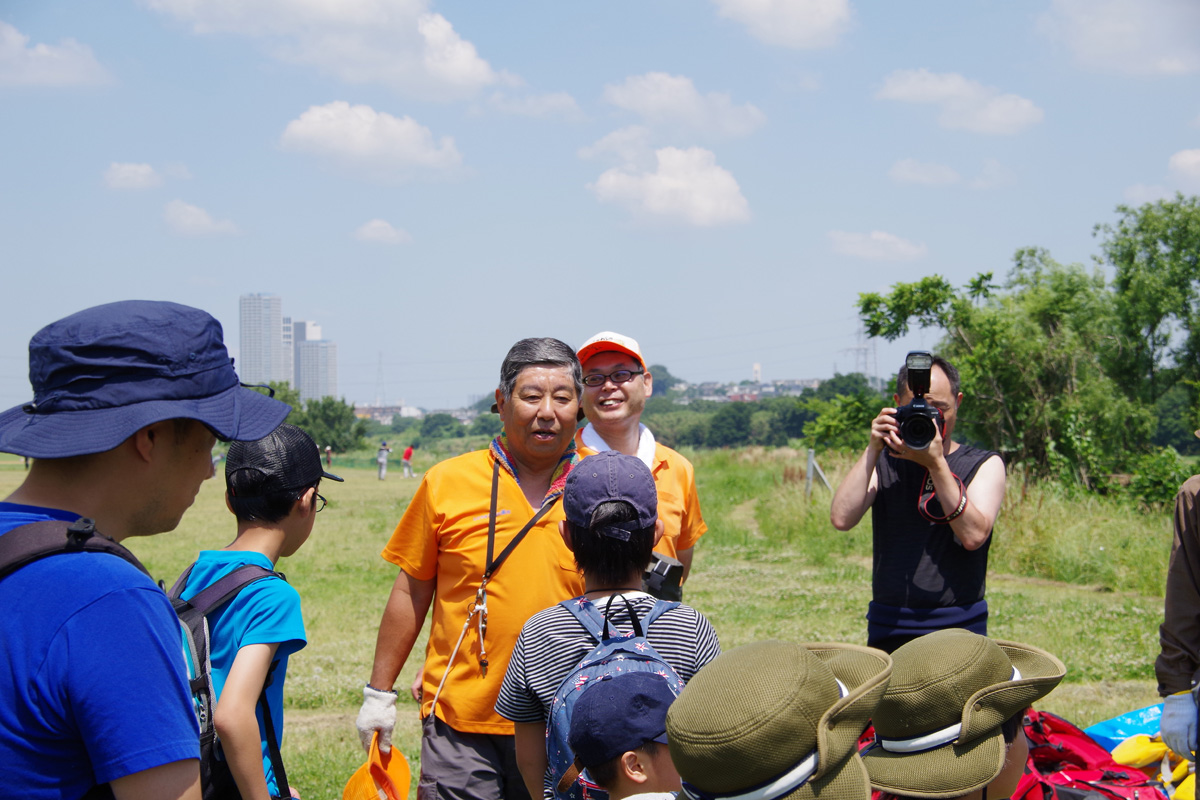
261,339
316,368
289,352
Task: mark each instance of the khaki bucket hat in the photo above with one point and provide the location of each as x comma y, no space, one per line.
774,720
937,729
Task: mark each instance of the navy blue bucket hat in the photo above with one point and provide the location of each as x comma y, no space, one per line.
102,374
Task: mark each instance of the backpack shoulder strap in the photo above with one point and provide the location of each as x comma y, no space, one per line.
38,540
660,607
588,615
223,590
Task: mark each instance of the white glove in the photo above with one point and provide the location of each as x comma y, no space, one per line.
1178,724
378,713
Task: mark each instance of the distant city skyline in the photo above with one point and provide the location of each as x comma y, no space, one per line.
275,347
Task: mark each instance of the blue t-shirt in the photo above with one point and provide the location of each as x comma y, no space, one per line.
91,673
265,612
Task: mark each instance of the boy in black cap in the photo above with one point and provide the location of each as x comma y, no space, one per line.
271,487
619,735
128,401
611,508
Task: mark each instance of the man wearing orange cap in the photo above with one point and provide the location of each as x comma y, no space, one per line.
616,384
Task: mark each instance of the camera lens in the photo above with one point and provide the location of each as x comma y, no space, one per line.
918,432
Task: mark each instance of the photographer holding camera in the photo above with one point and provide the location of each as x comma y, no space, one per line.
933,503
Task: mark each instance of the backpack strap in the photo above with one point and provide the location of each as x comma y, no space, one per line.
588,615
38,540
660,608
221,591
281,781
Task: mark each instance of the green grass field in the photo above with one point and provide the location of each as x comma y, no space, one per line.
1081,578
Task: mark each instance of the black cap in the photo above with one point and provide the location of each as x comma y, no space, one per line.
285,459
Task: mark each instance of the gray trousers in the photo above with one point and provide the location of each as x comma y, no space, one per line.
467,766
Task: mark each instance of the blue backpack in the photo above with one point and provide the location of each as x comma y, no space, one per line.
614,654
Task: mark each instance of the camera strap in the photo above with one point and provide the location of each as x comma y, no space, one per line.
928,493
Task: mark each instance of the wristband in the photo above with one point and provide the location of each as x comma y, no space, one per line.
930,493
381,691
962,504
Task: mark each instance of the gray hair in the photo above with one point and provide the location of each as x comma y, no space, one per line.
544,351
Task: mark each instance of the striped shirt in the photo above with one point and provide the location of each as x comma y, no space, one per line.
553,642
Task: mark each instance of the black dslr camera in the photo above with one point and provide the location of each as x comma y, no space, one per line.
918,419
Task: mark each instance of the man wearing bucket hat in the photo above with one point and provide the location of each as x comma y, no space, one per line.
616,384
129,398
949,724
774,720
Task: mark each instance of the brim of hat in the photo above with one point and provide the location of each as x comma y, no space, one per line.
332,477
954,770
236,414
944,772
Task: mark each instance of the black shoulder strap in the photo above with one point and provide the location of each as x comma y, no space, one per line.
281,781
221,591
38,540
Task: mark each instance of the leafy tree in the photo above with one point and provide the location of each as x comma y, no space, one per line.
1031,355
329,421
842,422
1155,253
441,426
839,384
730,426
486,424
664,381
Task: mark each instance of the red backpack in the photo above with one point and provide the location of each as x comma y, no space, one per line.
1067,764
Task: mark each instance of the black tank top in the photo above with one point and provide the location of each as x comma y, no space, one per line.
918,563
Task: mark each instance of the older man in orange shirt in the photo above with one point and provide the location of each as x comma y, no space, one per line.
616,385
480,544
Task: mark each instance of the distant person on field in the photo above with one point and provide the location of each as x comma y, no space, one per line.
129,399
932,513
381,458
616,385
406,461
1178,662
329,455
611,526
619,735
271,486
950,723
777,721
493,512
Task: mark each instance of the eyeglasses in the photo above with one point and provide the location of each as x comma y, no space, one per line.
317,496
620,376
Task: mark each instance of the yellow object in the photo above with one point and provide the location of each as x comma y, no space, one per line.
385,776
1185,790
1180,770
1139,751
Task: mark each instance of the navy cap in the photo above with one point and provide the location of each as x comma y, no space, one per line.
611,476
286,458
102,374
619,713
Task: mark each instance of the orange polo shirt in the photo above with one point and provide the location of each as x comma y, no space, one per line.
678,505
443,535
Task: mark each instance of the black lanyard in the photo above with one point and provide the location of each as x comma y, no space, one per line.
494,565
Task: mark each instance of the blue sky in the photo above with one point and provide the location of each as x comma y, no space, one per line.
432,181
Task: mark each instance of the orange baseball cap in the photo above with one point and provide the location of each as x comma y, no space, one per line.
385,776
607,341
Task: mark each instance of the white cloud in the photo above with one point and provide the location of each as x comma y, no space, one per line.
131,176
673,101
189,220
993,175
802,24
378,230
363,137
909,170
686,187
68,63
629,145
397,43
965,104
552,104
875,246
1184,167
1140,194
1141,37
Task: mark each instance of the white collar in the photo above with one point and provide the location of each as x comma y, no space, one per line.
594,441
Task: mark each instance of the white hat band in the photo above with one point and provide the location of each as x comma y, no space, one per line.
784,785
929,741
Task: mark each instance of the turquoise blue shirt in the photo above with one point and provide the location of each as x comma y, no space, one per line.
265,612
